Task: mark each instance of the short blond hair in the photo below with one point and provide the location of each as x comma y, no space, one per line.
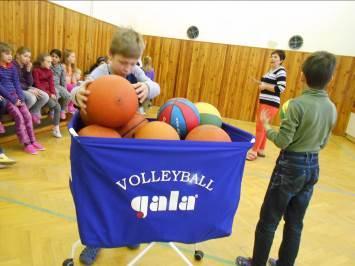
22,50
5,48
128,43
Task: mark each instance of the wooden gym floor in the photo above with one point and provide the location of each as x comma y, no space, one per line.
37,217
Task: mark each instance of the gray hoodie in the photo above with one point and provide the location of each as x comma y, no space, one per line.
59,75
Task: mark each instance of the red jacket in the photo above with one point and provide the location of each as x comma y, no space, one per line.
43,79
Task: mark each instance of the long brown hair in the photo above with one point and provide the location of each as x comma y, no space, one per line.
66,54
147,63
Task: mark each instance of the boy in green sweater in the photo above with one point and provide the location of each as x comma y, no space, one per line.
303,133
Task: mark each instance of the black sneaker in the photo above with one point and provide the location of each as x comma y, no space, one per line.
133,247
272,262
88,255
243,261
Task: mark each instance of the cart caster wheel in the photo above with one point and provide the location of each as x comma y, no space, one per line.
68,262
198,255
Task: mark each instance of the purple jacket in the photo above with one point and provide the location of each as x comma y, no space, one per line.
150,74
10,87
26,79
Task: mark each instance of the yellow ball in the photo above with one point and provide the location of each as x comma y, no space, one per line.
284,108
209,115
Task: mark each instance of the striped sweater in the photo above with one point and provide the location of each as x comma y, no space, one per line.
276,77
10,87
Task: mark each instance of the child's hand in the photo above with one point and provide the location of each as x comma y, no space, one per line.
82,94
265,117
29,66
18,103
255,80
53,96
141,90
35,92
261,86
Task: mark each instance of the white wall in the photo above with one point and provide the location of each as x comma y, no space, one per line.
80,6
323,25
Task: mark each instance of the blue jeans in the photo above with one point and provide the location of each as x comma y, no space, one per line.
288,195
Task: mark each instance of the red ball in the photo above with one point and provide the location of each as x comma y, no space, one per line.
98,131
181,114
136,122
208,133
112,101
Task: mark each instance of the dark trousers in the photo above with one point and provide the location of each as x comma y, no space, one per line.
288,195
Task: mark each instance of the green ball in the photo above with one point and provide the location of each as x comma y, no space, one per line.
209,115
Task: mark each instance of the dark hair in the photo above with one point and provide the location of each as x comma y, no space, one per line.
40,59
318,69
57,52
4,47
99,60
280,53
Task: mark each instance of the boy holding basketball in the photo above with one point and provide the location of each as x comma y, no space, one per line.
303,133
126,48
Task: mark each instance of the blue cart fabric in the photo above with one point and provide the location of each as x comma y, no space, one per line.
130,191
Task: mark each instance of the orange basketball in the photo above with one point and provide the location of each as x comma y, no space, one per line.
136,122
98,131
84,118
157,130
112,101
208,133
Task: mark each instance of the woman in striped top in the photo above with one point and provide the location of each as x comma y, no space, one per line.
272,84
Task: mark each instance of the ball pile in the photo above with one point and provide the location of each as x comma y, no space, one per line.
112,113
